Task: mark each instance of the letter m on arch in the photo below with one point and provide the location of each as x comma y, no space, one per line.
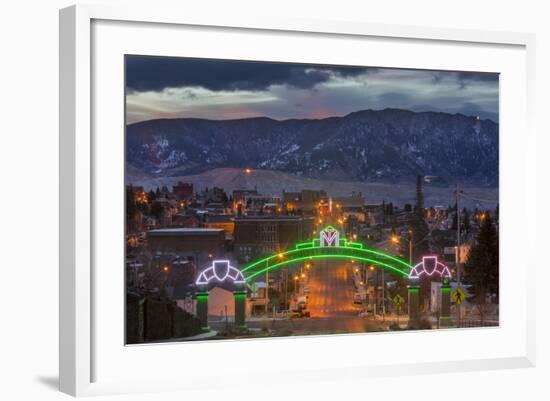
329,237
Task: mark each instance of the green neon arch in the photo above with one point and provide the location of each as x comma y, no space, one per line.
313,251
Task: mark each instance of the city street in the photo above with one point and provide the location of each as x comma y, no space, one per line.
330,305
331,290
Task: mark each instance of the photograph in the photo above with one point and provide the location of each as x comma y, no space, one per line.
266,199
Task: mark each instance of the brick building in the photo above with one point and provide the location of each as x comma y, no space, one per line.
307,200
264,235
183,190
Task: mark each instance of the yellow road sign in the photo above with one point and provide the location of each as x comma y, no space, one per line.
398,300
458,296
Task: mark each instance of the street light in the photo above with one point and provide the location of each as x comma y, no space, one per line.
410,246
375,285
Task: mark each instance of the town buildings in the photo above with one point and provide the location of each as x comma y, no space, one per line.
263,235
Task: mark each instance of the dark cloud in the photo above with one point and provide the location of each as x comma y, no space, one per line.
169,87
145,73
466,78
488,77
394,99
437,77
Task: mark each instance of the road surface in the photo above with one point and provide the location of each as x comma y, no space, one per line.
330,303
331,289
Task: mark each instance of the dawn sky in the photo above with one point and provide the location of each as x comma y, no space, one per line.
165,87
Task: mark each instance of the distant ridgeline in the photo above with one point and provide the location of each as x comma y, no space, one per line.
369,145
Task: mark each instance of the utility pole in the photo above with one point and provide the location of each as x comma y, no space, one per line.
266,287
383,296
286,288
375,279
457,250
457,236
266,290
410,247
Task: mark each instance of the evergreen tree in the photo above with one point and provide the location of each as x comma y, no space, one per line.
419,197
420,236
157,210
131,208
481,268
466,220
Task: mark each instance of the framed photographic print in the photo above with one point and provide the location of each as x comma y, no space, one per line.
279,187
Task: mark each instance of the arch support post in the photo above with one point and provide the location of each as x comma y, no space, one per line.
201,297
413,291
445,307
240,306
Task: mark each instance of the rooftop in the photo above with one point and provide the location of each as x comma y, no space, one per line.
270,218
165,232
219,218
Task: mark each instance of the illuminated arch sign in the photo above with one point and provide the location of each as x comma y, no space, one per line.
220,270
430,266
329,237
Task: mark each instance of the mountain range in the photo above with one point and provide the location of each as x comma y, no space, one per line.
389,145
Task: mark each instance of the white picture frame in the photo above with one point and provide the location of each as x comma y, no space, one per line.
84,355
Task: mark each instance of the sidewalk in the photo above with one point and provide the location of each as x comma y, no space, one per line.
201,336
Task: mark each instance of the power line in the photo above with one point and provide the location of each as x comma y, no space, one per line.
462,194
